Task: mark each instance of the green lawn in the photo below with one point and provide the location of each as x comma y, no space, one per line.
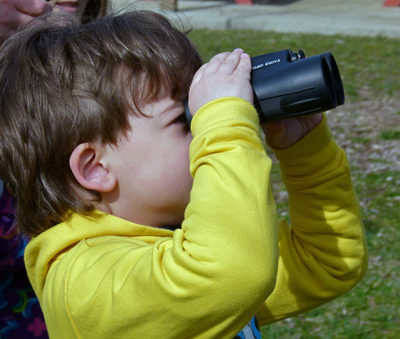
370,71
369,66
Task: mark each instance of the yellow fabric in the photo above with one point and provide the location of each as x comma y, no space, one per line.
104,277
323,252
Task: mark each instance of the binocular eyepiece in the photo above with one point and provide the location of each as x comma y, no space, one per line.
287,84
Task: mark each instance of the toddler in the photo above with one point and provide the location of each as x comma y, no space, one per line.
143,228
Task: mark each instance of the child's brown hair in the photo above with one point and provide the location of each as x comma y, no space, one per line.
64,84
94,9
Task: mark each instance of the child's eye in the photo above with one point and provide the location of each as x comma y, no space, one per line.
181,118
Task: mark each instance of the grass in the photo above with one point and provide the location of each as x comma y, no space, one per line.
367,65
368,68
390,135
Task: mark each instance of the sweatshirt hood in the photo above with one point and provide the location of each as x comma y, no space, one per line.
47,247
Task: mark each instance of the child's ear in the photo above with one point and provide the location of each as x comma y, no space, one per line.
87,167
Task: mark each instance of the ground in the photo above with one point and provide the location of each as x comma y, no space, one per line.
363,130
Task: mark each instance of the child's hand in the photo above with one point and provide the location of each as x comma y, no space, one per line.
285,133
226,74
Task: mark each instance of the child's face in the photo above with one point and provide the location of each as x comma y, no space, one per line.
152,166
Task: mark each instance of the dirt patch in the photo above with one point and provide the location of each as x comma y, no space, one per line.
358,127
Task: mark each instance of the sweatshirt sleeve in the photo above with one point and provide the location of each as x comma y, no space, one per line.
323,251
205,280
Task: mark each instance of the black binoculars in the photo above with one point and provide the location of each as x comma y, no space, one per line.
287,84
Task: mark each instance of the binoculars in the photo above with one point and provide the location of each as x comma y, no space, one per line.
287,84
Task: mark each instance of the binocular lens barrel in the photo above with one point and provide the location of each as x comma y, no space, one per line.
285,86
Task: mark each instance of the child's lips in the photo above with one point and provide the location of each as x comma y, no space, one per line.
68,6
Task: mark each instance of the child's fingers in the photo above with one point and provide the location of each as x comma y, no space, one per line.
209,67
215,62
244,64
198,75
231,62
226,62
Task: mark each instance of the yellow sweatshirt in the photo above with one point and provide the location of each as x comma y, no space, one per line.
105,277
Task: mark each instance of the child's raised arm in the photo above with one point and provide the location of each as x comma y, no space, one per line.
323,252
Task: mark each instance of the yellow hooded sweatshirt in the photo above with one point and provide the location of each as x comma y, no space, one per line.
100,276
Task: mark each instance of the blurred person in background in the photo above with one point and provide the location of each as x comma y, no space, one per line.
20,313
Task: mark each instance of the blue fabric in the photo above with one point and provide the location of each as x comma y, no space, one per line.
20,313
250,331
